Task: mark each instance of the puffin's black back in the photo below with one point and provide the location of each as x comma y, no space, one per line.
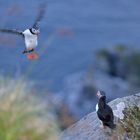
105,113
102,102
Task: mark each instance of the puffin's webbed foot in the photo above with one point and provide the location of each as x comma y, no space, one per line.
103,126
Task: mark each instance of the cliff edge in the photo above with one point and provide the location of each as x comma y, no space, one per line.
127,119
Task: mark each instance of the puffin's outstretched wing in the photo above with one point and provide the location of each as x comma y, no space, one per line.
13,31
42,8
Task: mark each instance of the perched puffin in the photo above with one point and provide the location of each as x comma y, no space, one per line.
104,111
30,35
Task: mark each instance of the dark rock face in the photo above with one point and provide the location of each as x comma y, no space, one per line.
88,127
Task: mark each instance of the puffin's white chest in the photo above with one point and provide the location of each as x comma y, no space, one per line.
30,39
96,107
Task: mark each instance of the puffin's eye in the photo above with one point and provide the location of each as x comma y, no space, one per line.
33,30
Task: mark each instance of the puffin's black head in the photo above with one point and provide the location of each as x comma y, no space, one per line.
102,99
34,31
101,94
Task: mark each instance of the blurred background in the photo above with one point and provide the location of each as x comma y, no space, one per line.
84,46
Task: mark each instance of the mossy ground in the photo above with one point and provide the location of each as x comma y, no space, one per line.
130,125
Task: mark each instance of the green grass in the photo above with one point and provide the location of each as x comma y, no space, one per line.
130,125
22,115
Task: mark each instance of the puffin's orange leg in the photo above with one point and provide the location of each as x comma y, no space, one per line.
103,126
32,56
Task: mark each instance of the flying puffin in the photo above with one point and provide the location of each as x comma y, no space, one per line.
30,35
104,111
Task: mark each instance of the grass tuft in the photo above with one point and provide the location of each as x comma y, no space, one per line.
22,115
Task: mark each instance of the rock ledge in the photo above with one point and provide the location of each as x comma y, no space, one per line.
88,127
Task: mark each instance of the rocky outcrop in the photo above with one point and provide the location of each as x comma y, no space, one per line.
88,127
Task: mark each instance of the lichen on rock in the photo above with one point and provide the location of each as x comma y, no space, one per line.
119,111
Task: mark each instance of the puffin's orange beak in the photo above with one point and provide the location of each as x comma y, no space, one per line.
98,94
